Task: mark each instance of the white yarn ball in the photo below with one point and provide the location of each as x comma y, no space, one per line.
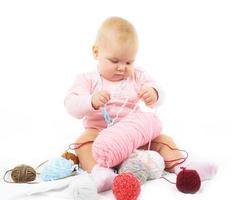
83,188
136,167
153,161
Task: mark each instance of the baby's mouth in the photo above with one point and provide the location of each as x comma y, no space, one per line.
119,74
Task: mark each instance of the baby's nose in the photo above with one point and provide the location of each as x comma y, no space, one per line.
121,67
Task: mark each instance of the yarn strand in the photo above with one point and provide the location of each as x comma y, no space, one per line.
108,119
77,145
168,180
170,161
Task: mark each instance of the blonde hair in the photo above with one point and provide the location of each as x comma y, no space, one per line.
118,29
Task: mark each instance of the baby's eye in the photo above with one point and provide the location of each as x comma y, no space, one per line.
114,61
129,63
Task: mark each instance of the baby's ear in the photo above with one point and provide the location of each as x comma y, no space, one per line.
95,51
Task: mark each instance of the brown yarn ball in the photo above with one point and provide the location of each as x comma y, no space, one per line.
71,156
23,174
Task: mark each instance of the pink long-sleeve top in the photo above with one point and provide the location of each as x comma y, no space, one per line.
78,99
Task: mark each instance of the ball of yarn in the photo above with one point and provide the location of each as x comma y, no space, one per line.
188,181
153,162
23,174
57,168
83,188
70,156
136,167
126,187
115,143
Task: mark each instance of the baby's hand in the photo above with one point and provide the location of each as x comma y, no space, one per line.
148,95
99,99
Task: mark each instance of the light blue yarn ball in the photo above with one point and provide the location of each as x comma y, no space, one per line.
57,168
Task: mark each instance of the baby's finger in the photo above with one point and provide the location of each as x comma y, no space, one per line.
141,93
106,95
145,95
103,100
148,100
149,104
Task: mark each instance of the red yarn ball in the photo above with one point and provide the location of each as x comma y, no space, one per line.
126,186
188,181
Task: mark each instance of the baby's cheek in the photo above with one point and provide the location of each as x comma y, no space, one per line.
130,71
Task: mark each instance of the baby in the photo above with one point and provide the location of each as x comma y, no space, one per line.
97,98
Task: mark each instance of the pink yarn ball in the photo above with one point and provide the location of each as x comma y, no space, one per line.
114,144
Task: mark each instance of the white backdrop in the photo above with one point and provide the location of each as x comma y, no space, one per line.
184,45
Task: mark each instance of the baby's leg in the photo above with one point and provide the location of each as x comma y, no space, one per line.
84,153
102,177
205,170
165,151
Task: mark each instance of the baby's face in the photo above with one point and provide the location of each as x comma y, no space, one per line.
115,61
